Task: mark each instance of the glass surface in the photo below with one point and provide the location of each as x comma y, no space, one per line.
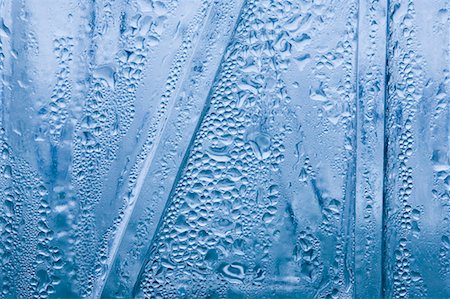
225,149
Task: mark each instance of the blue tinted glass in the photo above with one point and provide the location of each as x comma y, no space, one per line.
224,149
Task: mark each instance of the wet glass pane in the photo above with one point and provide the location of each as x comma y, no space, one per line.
224,149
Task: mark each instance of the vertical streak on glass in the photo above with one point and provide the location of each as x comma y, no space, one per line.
5,36
417,172
349,209
370,135
385,160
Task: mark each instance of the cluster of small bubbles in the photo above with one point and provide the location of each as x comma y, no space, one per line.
337,112
403,275
8,229
406,143
28,264
405,192
170,86
213,225
347,90
55,113
405,90
107,116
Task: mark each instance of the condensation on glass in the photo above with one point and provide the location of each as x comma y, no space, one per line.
225,149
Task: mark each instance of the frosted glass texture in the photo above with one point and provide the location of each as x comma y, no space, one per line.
225,149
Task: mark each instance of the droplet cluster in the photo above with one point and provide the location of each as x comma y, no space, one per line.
55,112
106,117
216,233
28,261
404,93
